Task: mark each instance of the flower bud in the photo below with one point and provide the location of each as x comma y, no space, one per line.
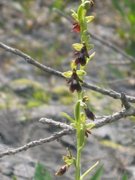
62,170
89,114
85,99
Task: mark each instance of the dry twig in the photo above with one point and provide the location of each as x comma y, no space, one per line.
36,143
55,123
113,47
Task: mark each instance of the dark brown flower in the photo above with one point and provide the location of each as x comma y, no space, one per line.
75,85
76,27
89,114
80,59
81,56
62,170
74,82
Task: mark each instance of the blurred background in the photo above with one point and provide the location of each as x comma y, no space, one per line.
42,29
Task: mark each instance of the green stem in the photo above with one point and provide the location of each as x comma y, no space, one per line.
78,157
79,95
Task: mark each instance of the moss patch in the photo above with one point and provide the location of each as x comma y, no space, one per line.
32,93
62,94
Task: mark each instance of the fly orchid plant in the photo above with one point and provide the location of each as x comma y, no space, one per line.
75,80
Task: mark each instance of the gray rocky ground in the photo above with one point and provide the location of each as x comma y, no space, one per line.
45,36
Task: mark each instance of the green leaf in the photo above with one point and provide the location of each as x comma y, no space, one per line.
81,72
89,18
125,177
118,6
77,111
67,74
14,178
77,46
89,171
41,173
68,117
91,57
98,174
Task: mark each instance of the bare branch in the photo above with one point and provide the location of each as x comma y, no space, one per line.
114,117
32,61
98,123
55,123
112,46
107,92
36,143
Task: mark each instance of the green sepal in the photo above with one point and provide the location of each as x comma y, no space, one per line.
68,161
89,18
83,117
83,67
67,74
67,117
74,15
73,65
77,46
90,125
81,72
